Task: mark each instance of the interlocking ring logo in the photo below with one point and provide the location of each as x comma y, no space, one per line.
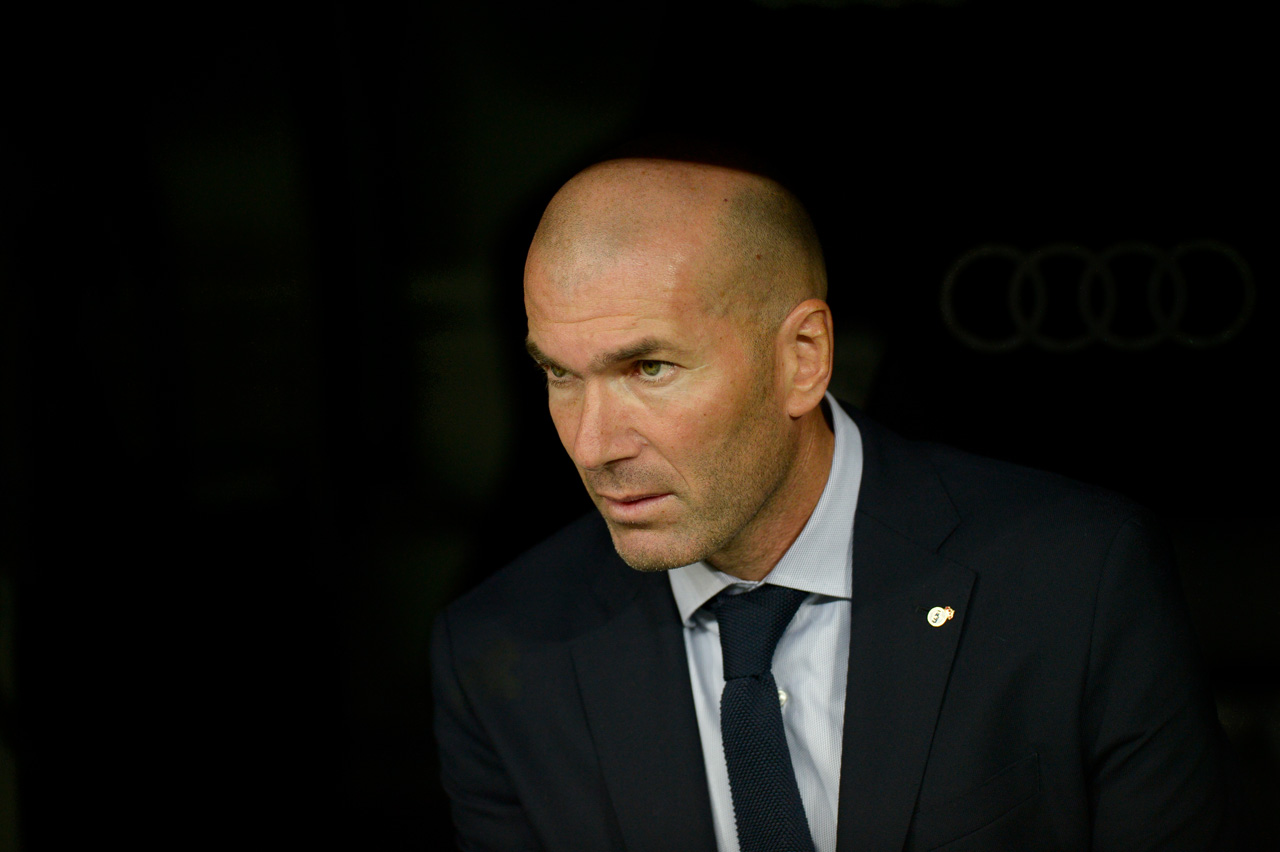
1097,296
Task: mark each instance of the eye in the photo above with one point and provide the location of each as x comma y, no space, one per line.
653,369
555,375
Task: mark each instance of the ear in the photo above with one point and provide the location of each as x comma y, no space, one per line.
807,353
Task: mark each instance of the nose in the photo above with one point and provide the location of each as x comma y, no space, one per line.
603,433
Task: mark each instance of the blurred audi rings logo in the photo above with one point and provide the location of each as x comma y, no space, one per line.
1111,306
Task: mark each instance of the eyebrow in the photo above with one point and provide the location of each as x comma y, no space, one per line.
639,349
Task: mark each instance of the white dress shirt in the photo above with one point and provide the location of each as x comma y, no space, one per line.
811,661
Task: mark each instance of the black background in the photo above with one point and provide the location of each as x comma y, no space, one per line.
265,402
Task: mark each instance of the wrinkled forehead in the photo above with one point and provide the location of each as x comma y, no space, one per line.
619,292
675,255
654,254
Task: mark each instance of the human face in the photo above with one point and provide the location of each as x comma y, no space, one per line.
670,413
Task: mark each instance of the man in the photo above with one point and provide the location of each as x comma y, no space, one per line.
974,656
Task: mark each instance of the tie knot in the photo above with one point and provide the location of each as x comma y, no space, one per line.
751,625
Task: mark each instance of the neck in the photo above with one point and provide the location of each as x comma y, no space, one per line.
783,516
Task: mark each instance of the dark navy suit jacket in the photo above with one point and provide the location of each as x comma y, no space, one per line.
1061,708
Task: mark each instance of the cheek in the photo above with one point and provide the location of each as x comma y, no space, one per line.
694,432
706,418
565,418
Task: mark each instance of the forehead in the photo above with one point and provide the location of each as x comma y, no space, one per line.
590,301
633,248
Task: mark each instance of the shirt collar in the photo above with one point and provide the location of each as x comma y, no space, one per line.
821,558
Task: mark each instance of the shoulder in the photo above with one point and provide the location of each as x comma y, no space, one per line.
995,517
990,492
1047,543
1048,512
549,592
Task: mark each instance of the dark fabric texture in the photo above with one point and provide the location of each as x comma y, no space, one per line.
766,800
1059,710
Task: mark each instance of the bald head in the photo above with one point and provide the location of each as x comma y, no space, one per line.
753,245
676,311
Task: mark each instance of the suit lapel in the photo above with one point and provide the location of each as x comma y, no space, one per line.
898,663
634,676
634,679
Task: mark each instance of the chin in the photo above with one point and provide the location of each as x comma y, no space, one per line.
647,551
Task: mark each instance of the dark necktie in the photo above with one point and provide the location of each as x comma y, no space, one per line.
766,800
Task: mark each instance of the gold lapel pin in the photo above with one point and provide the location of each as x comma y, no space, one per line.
940,615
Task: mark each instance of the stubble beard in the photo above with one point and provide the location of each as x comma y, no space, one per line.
741,477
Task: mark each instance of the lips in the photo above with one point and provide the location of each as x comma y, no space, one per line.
632,508
630,498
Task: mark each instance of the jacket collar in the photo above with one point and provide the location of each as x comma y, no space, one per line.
898,669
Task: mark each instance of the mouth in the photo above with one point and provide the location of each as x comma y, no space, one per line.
631,508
